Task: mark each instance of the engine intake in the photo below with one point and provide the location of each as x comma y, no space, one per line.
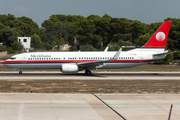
69,68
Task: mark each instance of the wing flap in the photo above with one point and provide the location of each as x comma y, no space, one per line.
94,64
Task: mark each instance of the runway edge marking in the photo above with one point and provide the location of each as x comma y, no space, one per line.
110,107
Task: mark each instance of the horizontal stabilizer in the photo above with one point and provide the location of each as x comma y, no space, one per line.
165,53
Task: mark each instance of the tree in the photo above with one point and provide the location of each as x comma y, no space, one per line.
137,29
53,43
124,43
2,48
92,17
1,26
5,19
36,41
46,46
8,36
142,39
88,48
106,16
31,26
24,25
16,46
166,60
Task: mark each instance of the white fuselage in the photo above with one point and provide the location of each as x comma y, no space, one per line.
55,60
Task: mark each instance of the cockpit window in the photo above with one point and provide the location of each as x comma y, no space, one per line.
13,58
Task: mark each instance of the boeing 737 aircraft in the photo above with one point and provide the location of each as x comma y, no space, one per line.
69,62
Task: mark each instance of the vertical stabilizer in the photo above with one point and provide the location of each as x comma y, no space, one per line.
159,39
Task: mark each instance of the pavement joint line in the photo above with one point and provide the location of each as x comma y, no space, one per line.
53,110
21,113
110,107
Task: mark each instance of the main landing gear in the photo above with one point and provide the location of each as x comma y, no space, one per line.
88,72
20,72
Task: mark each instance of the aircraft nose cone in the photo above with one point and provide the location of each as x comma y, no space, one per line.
4,62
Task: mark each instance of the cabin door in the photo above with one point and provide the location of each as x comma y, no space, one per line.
141,58
24,59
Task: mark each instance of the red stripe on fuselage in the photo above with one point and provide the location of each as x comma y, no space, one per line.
71,61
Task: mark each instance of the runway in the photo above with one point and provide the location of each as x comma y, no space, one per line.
96,75
33,106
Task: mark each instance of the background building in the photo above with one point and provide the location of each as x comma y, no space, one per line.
26,42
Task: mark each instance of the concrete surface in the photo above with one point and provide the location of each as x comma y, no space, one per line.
53,107
144,107
31,106
95,76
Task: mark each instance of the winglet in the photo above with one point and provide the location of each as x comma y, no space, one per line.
106,49
116,55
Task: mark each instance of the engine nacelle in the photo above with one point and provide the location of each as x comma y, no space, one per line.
69,68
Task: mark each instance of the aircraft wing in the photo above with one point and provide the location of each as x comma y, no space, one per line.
92,64
100,63
164,53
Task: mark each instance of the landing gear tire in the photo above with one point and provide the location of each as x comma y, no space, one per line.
88,72
20,72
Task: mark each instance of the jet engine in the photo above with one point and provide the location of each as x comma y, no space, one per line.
69,68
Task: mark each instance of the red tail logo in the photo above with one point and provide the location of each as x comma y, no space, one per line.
159,39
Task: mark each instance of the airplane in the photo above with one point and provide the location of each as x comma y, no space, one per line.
73,62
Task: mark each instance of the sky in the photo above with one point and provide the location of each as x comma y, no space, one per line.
146,11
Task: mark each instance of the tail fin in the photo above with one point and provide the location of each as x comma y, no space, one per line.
159,39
